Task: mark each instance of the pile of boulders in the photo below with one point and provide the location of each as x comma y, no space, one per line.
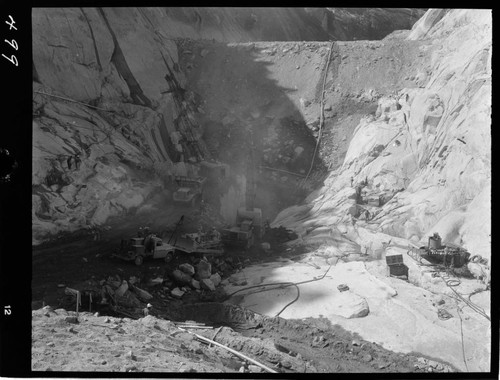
428,365
202,276
124,293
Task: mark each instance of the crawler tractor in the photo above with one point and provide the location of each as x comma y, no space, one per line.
190,190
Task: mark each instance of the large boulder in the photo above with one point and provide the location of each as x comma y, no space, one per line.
479,271
216,279
350,305
203,270
128,299
181,277
122,289
142,294
177,293
195,284
187,268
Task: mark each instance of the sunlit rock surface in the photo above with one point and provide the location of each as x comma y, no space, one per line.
426,150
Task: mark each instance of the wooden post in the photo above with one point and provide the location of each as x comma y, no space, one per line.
77,302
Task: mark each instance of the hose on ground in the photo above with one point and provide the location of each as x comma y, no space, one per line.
460,297
451,283
462,337
321,115
280,285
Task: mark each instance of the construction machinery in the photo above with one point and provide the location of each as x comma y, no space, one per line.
148,244
189,191
138,248
450,254
214,169
201,243
208,244
248,227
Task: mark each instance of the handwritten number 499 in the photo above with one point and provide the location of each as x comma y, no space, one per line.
12,43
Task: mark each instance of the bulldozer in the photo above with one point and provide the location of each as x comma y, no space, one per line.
248,227
189,191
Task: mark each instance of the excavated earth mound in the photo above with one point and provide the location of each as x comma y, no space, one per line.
149,344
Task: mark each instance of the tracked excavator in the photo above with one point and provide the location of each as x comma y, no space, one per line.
248,227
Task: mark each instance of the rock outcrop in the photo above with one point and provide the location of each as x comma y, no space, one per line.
424,156
138,125
348,24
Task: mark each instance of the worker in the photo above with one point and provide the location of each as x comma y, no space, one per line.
97,233
367,215
147,310
215,234
267,225
140,232
352,180
359,198
78,161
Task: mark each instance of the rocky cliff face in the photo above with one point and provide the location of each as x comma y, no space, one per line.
348,24
139,123
422,160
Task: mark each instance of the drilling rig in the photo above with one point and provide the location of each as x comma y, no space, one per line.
248,226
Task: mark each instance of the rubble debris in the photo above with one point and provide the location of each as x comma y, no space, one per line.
155,281
443,314
176,292
367,358
181,277
342,287
207,284
71,319
319,341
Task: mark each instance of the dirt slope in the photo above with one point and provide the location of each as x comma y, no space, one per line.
153,344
